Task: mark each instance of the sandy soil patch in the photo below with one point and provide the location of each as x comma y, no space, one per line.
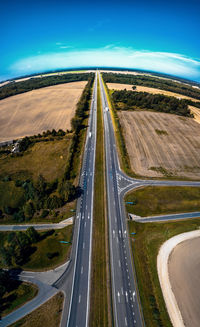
117,86
167,143
166,277
184,274
39,110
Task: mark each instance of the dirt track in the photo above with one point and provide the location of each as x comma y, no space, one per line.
39,110
184,274
162,144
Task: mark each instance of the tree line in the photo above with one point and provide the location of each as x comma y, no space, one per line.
127,100
154,82
14,88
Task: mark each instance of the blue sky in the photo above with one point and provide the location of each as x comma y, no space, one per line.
154,35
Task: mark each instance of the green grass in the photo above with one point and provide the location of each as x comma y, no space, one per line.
48,314
145,245
163,200
18,295
99,283
10,195
46,158
49,243
161,132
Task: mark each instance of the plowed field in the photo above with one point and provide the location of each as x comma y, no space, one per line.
39,110
162,144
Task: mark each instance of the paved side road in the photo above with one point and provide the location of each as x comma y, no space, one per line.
60,225
171,217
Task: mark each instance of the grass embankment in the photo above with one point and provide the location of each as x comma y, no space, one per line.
163,200
48,314
99,284
17,295
145,245
48,252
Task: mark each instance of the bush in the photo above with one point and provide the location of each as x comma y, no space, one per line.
44,213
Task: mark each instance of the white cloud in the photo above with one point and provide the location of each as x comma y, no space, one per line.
111,56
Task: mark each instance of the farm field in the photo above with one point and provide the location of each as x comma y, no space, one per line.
161,144
196,112
117,86
39,110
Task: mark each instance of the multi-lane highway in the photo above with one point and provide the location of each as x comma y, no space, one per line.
125,296
126,303
76,281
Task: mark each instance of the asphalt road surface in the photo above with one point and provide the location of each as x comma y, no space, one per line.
62,224
126,303
166,218
76,281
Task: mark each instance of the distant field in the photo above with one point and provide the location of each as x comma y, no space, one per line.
117,86
161,144
39,110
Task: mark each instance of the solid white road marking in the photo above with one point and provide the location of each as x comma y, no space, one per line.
118,294
125,321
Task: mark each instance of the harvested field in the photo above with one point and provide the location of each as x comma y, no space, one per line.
117,86
162,144
39,110
196,112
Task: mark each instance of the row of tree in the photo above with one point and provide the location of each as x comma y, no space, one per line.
159,83
157,102
14,88
18,246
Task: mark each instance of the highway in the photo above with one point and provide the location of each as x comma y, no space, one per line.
76,281
125,297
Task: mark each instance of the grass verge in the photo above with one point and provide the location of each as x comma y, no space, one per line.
99,282
18,294
48,252
145,246
48,314
157,200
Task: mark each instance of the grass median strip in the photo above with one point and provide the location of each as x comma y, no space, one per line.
145,245
99,291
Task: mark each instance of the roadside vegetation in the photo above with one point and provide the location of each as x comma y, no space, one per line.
154,82
99,314
145,246
48,314
34,250
161,200
36,83
121,145
14,293
40,180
